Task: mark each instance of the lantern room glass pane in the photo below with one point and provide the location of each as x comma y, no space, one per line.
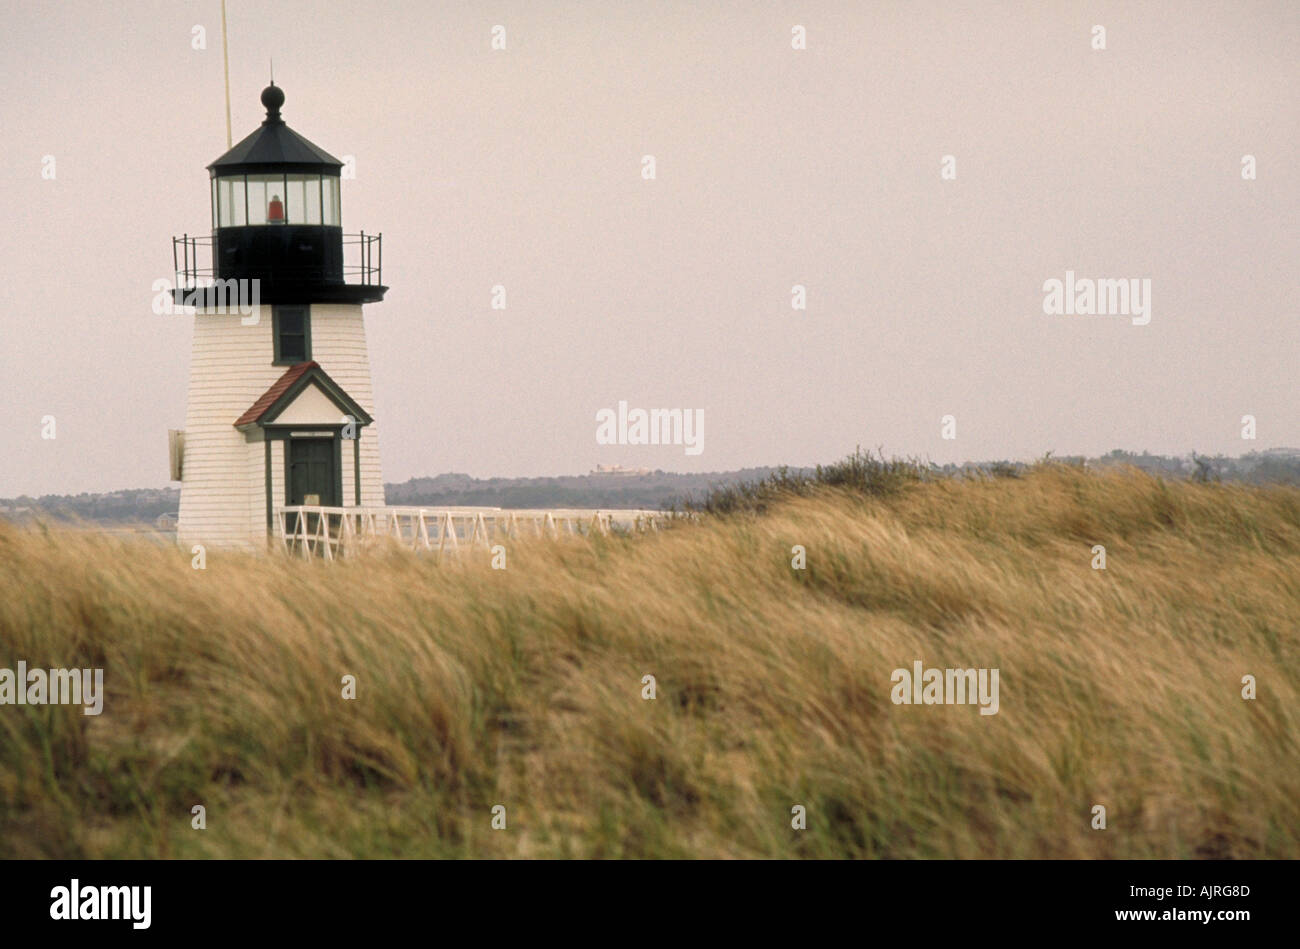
295,199
237,202
224,212
330,212
229,202
275,199
312,185
257,199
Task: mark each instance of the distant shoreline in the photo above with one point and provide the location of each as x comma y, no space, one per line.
624,489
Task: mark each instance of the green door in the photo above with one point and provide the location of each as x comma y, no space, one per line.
311,476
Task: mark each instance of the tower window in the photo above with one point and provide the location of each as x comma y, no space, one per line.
291,326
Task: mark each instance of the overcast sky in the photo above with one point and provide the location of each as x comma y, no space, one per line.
774,167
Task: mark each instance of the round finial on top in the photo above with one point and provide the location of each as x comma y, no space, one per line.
273,98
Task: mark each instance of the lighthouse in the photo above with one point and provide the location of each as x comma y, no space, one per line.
280,409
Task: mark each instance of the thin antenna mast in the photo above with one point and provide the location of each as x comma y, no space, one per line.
225,58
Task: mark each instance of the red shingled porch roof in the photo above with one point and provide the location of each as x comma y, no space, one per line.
271,395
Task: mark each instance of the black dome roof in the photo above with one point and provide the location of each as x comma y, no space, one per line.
275,147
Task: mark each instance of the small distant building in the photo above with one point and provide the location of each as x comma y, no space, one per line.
618,470
280,409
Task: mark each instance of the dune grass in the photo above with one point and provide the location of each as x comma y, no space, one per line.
523,687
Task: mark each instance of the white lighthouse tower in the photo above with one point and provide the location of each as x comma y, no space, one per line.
280,408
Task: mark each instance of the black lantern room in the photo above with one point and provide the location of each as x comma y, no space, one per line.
276,217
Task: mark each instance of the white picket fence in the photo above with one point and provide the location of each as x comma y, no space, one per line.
330,532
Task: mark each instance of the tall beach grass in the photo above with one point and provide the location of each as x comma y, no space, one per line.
523,687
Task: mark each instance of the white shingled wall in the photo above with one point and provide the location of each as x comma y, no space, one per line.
338,343
223,486
256,484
